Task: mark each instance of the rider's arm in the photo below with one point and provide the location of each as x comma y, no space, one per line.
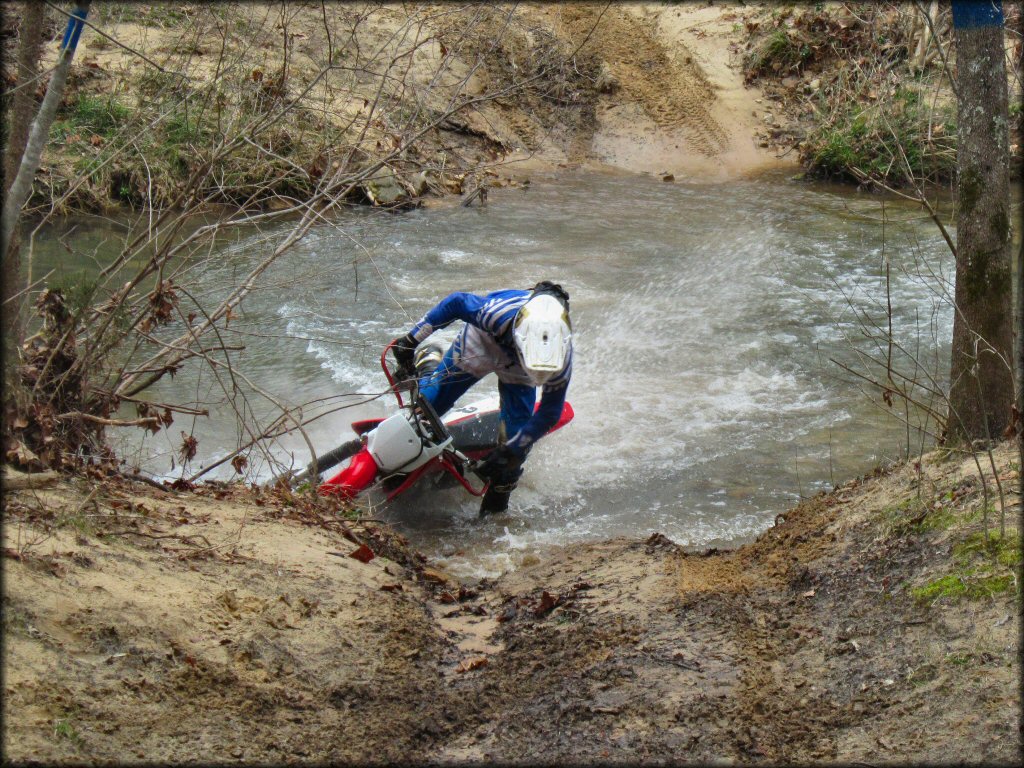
493,313
552,401
457,306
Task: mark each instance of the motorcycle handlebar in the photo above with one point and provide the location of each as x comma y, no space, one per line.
387,373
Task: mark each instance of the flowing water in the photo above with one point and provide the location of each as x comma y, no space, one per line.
704,319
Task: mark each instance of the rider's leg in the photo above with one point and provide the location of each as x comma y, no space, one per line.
517,403
446,384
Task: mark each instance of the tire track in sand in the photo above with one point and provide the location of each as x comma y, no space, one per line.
677,97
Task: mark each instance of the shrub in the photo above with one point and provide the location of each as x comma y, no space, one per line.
893,138
99,115
776,52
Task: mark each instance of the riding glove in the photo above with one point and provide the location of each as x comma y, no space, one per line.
404,349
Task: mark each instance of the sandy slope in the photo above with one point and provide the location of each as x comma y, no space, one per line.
161,626
170,627
678,104
681,106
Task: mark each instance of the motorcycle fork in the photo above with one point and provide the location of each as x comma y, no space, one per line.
445,462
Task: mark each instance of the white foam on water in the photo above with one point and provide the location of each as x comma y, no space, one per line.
455,256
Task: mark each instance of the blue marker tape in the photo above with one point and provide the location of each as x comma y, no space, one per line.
74,28
972,15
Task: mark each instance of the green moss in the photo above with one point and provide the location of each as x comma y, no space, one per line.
982,569
989,586
969,189
1002,550
1001,224
967,584
951,585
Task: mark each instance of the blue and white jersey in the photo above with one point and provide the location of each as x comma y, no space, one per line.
486,346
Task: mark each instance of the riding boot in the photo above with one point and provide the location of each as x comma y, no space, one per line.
501,487
496,499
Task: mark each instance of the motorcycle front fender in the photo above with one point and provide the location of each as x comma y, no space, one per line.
353,479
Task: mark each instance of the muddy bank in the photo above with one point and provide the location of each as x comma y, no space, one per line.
869,625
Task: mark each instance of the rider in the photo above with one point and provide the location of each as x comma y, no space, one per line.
524,337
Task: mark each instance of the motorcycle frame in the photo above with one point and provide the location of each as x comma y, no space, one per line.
444,460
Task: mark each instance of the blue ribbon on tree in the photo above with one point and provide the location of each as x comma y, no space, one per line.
972,15
74,28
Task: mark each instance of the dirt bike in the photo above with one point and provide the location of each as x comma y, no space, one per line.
394,453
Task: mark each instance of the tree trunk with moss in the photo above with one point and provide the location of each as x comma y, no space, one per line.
981,382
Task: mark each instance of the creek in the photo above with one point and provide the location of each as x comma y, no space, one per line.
704,316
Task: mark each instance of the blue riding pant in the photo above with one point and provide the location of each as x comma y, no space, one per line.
447,383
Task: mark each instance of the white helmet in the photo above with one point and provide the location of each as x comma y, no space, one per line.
542,332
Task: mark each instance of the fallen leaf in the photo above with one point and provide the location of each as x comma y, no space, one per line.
433,576
21,454
363,554
547,602
468,664
189,444
507,615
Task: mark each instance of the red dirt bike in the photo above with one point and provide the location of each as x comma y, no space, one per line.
395,452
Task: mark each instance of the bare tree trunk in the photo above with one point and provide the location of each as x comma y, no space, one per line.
981,388
1019,358
21,187
22,107
923,30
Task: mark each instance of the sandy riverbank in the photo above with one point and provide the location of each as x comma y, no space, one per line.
178,627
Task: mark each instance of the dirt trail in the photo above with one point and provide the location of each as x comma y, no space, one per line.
674,93
172,627
679,104
806,646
